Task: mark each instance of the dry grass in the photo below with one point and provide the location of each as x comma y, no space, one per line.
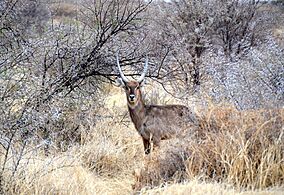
102,166
233,152
202,188
244,148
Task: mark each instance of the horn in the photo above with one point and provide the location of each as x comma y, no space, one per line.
120,71
142,77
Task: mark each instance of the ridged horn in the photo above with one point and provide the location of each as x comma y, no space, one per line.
120,71
142,77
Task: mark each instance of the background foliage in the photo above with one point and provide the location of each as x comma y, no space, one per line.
58,69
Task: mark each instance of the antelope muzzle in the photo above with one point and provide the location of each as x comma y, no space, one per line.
132,98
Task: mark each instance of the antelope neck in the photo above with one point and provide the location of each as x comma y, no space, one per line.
137,113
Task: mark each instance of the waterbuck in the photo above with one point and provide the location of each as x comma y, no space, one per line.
153,122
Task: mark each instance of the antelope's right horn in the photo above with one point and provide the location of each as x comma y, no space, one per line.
120,71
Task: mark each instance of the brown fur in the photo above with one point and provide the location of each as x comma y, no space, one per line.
155,122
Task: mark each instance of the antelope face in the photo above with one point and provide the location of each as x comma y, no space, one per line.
133,93
132,88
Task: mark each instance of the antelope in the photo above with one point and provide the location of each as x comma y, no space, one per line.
153,122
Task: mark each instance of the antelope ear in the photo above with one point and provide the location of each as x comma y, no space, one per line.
119,82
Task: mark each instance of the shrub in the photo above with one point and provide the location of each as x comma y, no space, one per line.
243,148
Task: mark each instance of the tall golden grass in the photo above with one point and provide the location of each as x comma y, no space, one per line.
233,152
241,148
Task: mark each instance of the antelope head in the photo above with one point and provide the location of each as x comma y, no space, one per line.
132,88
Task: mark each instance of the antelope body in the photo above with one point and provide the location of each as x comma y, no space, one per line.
153,122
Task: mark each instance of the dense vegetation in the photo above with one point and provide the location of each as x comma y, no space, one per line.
64,126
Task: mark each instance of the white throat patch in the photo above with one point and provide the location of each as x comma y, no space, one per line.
132,106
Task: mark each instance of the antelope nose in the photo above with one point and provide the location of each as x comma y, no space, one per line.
131,96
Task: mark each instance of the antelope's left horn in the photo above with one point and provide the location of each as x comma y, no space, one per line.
142,77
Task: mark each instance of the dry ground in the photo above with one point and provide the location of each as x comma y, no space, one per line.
232,153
